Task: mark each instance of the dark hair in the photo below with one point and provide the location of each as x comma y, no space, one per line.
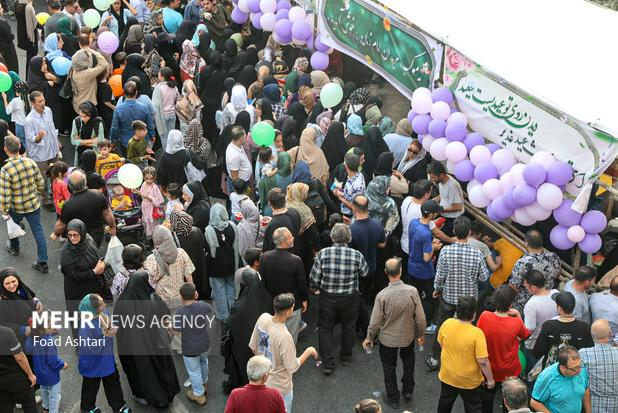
85,30
83,39
476,227
283,302
361,203
358,151
86,107
34,95
54,4
461,227
265,154
585,273
421,188
334,218
168,76
106,143
567,353
120,58
436,168
503,298
534,239
133,257
466,308
237,132
174,190
352,161
239,185
252,255
130,89
139,125
535,278
276,198
56,168
393,269
187,291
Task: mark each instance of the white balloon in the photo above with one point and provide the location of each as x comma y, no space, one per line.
130,176
472,184
543,158
537,212
427,141
455,151
505,182
576,233
450,166
421,90
521,216
516,174
480,154
492,189
477,197
549,196
438,149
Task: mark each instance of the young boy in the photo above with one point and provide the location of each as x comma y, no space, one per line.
120,201
138,151
191,321
106,160
120,61
239,194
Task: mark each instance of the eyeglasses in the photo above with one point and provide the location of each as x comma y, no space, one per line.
575,369
73,235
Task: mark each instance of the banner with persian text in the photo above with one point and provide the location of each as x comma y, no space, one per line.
377,37
511,118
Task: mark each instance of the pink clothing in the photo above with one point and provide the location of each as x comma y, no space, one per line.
168,99
61,193
153,191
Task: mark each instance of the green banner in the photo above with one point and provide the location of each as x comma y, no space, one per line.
406,58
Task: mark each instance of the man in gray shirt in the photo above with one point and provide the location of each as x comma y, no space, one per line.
450,197
605,305
582,280
55,14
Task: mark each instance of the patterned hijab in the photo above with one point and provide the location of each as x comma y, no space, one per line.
194,139
174,142
181,222
295,198
165,250
381,206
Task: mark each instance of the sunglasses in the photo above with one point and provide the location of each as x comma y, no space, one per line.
413,151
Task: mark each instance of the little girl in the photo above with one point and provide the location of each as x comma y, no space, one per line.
57,172
174,192
151,199
18,107
164,100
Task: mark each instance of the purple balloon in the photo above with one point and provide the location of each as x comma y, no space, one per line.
108,42
534,174
524,194
283,28
473,139
319,61
321,47
485,171
558,238
493,147
284,5
591,243
500,210
464,170
436,128
411,115
420,124
442,94
565,216
455,131
594,222
255,20
301,30
559,173
509,199
282,14
238,16
254,6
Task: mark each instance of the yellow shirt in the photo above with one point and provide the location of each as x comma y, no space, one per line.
462,343
128,204
509,254
103,166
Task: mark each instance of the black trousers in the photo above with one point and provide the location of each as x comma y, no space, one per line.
448,394
112,387
388,357
17,391
487,399
364,304
425,290
336,308
445,311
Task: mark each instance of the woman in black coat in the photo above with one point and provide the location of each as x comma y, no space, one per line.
196,204
7,47
171,166
82,266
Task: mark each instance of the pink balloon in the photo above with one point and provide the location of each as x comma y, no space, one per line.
455,151
544,158
427,142
591,243
422,103
458,117
516,172
491,188
421,90
576,233
297,14
503,160
108,42
440,110
505,181
479,154
520,216
268,6
537,212
549,196
477,196
438,149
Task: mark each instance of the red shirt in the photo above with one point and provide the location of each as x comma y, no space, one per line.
255,398
503,335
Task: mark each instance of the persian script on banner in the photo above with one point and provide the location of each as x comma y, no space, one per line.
508,116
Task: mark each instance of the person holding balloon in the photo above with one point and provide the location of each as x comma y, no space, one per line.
84,76
117,15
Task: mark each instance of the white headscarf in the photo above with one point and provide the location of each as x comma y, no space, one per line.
174,142
239,97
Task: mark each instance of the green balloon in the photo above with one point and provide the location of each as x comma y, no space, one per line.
522,360
6,82
101,4
92,18
263,134
331,95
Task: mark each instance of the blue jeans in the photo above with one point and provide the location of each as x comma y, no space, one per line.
170,123
50,397
223,293
287,400
21,134
34,221
197,368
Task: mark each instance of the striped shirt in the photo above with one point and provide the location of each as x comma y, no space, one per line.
601,361
336,270
20,183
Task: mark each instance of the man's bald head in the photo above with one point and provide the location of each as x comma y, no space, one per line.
600,331
361,203
77,181
392,268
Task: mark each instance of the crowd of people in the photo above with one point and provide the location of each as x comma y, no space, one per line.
344,212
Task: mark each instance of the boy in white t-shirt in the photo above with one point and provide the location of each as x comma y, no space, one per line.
17,109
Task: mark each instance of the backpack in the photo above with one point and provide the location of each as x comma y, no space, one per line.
315,202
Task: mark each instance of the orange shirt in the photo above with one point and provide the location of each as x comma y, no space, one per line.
509,254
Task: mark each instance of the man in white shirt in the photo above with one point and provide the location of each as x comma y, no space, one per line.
605,305
450,197
236,161
539,308
143,12
582,280
74,12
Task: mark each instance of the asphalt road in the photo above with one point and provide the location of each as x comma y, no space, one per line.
313,392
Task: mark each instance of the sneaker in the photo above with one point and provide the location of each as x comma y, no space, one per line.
201,400
125,410
95,410
187,383
41,266
432,363
431,329
37,399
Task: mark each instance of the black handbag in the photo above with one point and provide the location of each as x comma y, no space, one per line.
226,343
164,338
66,91
105,281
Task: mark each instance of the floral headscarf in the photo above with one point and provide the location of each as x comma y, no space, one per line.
359,96
381,206
181,222
174,142
194,139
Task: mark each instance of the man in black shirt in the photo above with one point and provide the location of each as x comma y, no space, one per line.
16,378
284,272
87,205
282,217
565,331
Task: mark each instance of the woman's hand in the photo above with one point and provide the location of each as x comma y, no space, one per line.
99,268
